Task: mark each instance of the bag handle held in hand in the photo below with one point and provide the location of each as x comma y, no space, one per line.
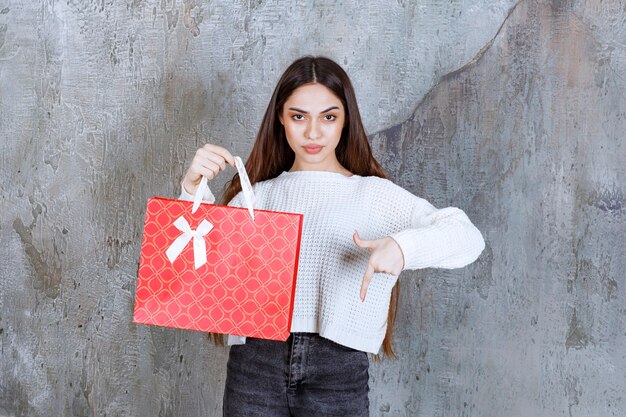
246,188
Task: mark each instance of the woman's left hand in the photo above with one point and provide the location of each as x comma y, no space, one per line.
386,256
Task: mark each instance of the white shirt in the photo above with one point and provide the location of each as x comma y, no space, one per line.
331,267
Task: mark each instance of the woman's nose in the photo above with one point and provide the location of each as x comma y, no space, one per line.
313,130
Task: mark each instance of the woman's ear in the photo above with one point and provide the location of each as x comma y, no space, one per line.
280,119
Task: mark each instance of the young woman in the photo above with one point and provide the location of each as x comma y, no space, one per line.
312,156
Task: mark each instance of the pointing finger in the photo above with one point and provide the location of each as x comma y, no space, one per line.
367,278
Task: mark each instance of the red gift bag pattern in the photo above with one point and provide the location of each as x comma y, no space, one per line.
246,286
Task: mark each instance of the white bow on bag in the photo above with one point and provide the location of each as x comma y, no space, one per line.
199,244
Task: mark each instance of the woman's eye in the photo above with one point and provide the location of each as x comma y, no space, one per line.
329,117
298,117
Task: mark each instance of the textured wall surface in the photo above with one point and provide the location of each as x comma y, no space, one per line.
528,138
514,112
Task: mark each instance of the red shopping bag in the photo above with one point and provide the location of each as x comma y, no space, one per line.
219,269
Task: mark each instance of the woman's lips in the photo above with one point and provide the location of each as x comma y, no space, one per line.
312,149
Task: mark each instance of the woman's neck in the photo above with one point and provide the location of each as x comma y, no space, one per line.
338,168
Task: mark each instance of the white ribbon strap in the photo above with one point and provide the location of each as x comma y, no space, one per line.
246,188
199,245
197,198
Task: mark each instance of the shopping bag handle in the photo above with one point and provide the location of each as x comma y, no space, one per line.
246,188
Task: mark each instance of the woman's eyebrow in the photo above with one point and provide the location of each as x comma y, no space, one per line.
306,112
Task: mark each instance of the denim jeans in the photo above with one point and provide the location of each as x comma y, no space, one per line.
307,375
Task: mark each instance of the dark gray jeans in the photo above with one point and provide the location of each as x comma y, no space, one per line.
305,376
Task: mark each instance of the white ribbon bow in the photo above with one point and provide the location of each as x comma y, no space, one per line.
199,246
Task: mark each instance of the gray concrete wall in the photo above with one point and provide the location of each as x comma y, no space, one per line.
514,112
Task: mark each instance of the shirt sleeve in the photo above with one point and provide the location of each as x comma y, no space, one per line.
438,238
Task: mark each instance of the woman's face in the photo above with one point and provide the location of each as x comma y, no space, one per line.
313,117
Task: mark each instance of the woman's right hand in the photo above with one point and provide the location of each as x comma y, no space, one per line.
208,162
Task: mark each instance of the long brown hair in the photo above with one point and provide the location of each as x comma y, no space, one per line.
271,154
